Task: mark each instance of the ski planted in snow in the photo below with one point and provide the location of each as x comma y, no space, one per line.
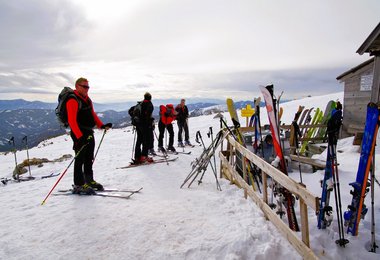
357,209
325,215
251,169
272,116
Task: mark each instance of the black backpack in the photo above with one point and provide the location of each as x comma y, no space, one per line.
61,111
135,113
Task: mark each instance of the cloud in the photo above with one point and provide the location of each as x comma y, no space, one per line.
36,33
32,82
179,48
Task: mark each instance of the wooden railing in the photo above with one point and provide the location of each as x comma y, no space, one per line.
306,198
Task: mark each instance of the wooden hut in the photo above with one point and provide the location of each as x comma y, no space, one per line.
361,85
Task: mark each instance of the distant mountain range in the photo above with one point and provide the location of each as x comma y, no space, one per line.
38,121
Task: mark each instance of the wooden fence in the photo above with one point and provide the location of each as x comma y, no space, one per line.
306,198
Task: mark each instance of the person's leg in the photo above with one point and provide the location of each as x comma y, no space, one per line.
180,129
139,141
146,132
186,128
78,164
88,157
171,134
161,128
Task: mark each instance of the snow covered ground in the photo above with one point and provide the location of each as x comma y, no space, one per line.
162,221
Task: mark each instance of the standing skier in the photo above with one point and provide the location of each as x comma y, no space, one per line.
167,116
81,119
182,122
334,124
144,131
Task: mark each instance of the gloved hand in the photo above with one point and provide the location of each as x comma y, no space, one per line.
106,126
82,141
276,162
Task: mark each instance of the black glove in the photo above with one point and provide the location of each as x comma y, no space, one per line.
82,142
106,126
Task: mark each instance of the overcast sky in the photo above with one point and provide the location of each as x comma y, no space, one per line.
180,48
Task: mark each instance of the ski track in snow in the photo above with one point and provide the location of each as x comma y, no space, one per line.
162,221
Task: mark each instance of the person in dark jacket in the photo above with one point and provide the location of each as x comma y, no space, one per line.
144,131
82,119
182,122
334,124
167,116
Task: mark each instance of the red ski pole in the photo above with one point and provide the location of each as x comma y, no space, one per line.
62,174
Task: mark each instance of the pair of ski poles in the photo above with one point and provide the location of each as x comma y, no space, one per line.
25,139
71,162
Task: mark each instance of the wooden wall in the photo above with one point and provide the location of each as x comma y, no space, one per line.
355,101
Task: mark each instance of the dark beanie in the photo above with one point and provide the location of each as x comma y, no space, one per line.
147,96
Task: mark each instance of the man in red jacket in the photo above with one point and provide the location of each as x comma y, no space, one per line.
167,116
82,119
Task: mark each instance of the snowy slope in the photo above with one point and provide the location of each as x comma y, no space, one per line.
163,221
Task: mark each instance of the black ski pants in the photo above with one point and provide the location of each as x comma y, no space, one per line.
161,128
83,172
143,141
183,126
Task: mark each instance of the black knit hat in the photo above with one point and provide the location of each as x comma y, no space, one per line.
147,96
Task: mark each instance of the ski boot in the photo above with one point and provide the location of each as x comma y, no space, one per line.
172,149
152,152
161,149
146,159
96,186
180,144
84,189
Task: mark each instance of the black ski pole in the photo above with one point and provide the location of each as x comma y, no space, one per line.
25,139
206,162
213,169
373,244
14,150
342,241
198,135
100,143
212,141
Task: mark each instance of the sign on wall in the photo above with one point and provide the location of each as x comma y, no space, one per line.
366,82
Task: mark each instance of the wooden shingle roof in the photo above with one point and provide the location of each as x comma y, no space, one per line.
372,44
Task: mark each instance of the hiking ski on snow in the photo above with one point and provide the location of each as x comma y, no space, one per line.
357,209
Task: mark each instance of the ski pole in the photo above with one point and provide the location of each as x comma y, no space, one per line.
63,173
212,140
373,244
204,147
97,150
14,150
27,153
342,241
134,142
182,134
